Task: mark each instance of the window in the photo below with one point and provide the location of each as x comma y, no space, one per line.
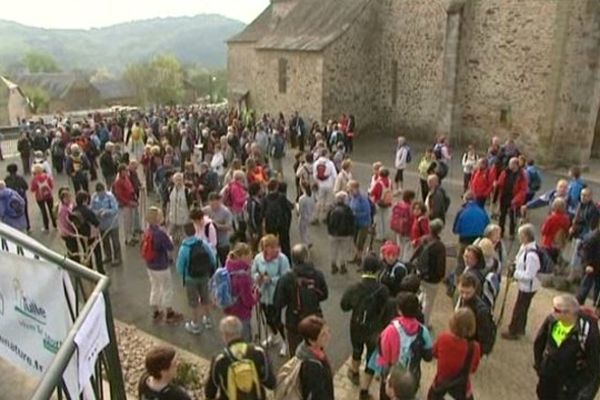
283,64
394,82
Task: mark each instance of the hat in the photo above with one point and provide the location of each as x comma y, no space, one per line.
371,263
487,247
390,248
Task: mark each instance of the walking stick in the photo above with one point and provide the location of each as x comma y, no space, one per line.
503,306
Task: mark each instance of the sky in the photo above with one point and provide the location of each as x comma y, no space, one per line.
85,14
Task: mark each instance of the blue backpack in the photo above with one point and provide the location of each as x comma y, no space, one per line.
221,288
15,205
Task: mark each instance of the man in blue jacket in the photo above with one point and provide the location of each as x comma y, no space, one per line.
105,206
196,263
363,218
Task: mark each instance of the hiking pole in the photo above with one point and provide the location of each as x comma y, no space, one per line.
503,306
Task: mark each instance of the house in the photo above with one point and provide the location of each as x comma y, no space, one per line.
423,68
14,105
115,92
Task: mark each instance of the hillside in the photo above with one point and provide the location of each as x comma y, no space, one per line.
199,39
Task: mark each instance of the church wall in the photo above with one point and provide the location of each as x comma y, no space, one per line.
304,85
351,79
505,70
241,68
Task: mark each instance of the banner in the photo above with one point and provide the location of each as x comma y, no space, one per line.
34,315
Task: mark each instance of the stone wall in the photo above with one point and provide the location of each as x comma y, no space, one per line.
351,78
4,117
304,84
504,69
241,71
413,35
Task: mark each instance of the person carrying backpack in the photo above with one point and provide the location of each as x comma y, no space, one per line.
42,185
367,301
457,358
196,263
300,292
567,353
382,196
340,227
268,267
526,267
157,382
401,222
402,159
324,173
12,208
404,342
242,370
392,270
18,183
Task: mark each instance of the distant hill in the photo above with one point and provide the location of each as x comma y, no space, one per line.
199,39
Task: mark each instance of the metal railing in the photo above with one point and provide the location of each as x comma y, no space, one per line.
108,365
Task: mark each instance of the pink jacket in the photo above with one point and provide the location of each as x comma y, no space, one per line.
389,341
237,197
241,285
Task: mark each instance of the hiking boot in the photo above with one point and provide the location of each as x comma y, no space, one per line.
207,322
334,269
157,316
343,269
173,317
193,328
354,377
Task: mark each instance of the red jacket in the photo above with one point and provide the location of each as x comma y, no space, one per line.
419,229
553,224
380,186
451,352
42,186
519,192
124,191
482,183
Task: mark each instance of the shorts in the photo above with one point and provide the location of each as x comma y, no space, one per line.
197,292
399,176
360,237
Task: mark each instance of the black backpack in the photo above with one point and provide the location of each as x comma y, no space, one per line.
307,297
274,214
200,264
368,312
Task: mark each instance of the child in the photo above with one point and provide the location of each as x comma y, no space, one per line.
420,225
238,264
306,210
156,246
393,270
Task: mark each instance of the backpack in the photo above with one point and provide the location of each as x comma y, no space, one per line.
307,297
147,247
242,376
387,198
441,169
288,380
201,264
221,288
368,313
546,263
322,172
401,222
437,151
15,205
535,180
411,350
44,189
278,149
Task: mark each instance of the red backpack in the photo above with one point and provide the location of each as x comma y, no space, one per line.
401,221
147,247
322,172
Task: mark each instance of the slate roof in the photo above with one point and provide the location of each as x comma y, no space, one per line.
114,89
57,85
310,26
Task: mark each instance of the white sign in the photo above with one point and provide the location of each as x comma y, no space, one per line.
34,315
91,338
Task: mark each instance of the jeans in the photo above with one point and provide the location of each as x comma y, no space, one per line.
111,244
589,281
518,321
46,209
382,222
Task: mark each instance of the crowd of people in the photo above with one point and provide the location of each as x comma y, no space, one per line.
205,190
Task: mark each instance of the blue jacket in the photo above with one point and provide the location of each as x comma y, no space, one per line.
106,208
547,198
574,190
19,223
362,210
183,258
470,221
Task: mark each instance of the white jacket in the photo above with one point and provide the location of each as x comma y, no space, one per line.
331,173
527,265
179,213
401,157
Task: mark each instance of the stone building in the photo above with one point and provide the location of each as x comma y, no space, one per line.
469,69
14,105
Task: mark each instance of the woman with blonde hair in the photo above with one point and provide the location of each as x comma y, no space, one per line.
267,268
238,264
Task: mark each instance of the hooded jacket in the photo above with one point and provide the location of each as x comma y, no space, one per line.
286,294
389,341
354,296
316,377
481,183
241,285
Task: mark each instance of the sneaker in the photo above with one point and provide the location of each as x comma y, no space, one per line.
194,329
354,377
207,322
283,351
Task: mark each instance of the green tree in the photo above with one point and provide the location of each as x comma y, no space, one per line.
39,99
138,76
158,82
209,83
40,62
